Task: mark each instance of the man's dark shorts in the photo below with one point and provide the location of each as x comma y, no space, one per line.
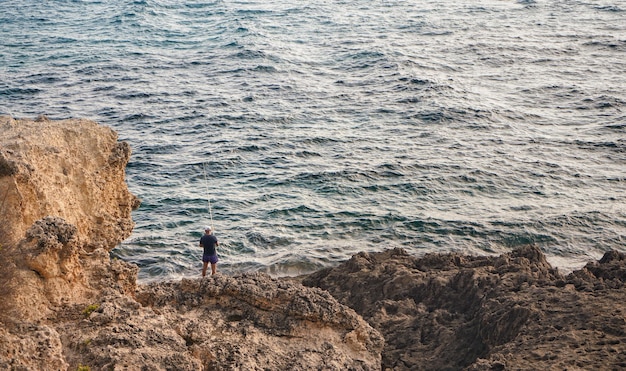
210,259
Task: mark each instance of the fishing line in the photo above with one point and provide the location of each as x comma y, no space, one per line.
206,186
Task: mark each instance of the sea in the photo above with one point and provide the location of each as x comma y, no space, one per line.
307,131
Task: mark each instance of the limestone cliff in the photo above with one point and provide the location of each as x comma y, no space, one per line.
72,169
64,205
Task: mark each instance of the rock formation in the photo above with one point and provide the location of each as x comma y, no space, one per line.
73,169
64,205
450,311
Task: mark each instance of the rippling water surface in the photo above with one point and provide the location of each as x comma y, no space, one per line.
331,127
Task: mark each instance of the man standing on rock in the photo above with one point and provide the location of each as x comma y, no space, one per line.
209,243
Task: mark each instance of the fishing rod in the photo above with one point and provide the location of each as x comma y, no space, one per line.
206,186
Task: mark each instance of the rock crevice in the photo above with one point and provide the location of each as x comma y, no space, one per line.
451,311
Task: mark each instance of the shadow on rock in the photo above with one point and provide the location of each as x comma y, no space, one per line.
451,311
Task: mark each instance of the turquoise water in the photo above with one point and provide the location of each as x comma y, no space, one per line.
332,127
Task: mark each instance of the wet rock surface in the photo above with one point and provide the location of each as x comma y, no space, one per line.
73,169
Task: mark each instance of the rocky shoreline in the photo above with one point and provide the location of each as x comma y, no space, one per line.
66,305
514,311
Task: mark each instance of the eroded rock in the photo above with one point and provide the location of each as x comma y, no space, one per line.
66,304
64,205
514,311
73,169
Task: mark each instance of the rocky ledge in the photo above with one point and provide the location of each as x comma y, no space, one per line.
66,305
64,205
514,311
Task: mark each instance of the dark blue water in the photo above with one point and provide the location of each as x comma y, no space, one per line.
331,127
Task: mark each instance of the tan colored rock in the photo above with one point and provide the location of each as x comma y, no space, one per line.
64,205
248,322
56,270
270,324
73,169
31,347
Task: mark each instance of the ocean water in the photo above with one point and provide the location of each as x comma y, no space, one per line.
330,127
